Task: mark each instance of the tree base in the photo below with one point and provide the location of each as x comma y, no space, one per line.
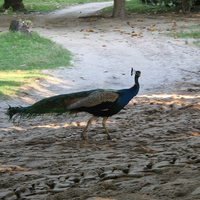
20,26
16,5
119,8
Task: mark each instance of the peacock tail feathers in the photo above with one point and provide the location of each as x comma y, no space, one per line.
65,103
13,110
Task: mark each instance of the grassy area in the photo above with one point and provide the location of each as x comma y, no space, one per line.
188,32
132,6
194,32
136,6
23,57
50,5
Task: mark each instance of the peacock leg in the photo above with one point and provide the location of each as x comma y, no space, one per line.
104,125
85,129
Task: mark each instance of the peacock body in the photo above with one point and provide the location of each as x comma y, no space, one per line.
100,103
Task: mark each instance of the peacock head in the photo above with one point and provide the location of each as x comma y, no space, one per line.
137,73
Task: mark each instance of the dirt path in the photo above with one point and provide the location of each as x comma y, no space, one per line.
156,155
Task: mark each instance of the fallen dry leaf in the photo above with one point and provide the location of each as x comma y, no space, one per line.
135,34
194,134
89,30
104,45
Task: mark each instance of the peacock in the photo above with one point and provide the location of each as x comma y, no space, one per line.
99,102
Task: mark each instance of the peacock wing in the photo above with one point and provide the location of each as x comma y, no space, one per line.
94,99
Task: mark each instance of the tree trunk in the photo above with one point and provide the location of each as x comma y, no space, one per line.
16,5
119,8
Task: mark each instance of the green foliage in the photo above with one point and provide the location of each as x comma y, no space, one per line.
184,5
23,56
136,6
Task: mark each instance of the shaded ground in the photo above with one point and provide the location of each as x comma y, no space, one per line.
157,147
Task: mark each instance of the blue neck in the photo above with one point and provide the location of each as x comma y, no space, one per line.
129,93
134,90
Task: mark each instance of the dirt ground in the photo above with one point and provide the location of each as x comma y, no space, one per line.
156,154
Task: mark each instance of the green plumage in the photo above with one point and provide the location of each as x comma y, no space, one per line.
64,103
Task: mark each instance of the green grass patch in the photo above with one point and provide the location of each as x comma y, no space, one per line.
23,57
197,43
193,27
136,6
192,31
50,5
192,34
11,81
132,6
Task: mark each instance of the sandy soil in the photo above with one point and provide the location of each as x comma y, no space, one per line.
156,152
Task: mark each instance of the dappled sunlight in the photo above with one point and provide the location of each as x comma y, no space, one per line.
18,128
12,168
195,134
96,145
57,81
166,99
50,125
44,89
172,96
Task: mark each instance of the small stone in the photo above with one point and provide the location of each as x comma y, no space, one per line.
147,189
149,165
50,183
135,174
62,179
125,170
6,194
162,164
91,175
196,191
76,180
